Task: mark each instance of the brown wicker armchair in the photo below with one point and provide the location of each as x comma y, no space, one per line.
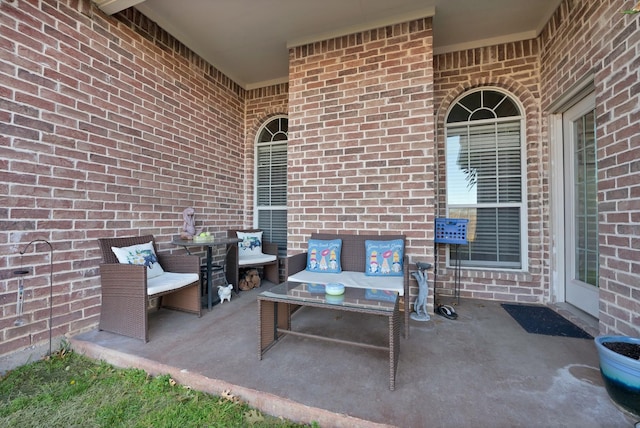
234,262
125,295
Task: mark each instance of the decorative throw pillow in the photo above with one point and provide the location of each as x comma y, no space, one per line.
324,255
142,254
384,258
250,244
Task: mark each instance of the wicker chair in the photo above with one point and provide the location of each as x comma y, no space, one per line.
125,296
234,262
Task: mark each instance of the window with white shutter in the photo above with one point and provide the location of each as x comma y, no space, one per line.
485,178
271,182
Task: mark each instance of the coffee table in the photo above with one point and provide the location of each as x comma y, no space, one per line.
276,306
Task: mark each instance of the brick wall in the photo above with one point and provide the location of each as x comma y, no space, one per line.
592,36
108,126
513,67
262,104
361,134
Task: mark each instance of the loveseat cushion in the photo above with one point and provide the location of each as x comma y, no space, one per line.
169,281
323,256
352,279
141,254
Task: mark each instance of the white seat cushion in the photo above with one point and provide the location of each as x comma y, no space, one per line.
256,259
352,279
169,281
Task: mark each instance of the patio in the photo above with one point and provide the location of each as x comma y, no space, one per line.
479,370
112,126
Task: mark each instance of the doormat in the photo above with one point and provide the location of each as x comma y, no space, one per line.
542,320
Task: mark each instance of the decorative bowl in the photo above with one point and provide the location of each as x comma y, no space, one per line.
203,239
334,300
334,289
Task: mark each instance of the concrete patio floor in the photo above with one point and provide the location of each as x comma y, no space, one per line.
481,370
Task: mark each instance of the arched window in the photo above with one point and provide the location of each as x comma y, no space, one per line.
486,178
271,182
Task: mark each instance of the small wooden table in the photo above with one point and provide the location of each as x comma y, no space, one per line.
210,244
276,305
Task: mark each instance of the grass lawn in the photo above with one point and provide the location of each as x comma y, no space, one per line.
70,390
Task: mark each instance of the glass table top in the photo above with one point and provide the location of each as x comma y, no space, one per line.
363,298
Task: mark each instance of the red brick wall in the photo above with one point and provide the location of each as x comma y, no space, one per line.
513,67
108,126
592,36
361,136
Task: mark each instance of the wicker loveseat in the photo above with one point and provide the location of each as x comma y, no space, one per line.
126,288
354,265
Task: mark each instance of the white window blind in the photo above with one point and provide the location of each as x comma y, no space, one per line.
272,175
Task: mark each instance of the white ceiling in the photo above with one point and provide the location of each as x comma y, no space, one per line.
248,40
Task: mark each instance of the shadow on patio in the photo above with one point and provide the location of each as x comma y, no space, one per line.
479,370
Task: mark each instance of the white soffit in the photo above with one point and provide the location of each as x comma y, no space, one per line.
114,6
248,40
364,26
515,37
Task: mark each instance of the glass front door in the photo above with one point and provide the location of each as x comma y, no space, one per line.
581,207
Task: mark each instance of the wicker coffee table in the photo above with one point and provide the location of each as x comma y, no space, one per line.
276,305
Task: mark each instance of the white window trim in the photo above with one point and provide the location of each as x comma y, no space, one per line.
257,146
524,210
255,166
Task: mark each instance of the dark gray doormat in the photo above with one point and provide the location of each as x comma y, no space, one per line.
542,320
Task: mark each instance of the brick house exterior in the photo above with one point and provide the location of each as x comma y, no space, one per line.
111,127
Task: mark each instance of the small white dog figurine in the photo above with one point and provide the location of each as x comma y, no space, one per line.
224,292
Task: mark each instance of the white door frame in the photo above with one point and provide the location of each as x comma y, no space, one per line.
580,89
556,209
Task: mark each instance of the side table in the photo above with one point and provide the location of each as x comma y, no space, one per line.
217,242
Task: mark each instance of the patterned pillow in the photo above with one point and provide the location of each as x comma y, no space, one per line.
384,258
324,255
250,244
142,254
